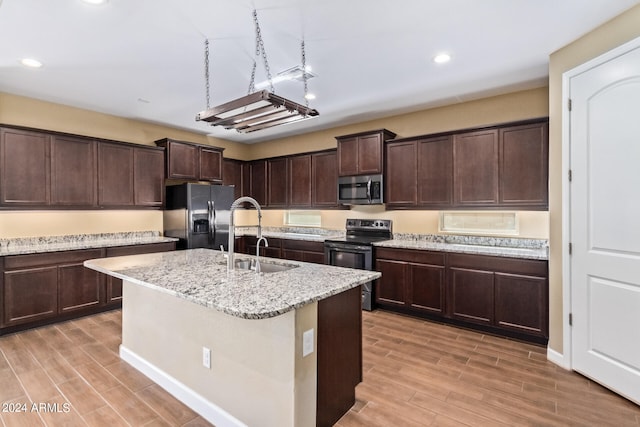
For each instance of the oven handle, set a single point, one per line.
(348, 248)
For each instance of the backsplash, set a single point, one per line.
(507, 242)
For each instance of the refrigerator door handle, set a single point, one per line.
(211, 207)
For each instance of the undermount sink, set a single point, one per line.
(262, 266)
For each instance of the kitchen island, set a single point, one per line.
(285, 347)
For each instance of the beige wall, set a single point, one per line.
(621, 29)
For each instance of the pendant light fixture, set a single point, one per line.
(258, 109)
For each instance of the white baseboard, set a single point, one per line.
(558, 358)
(193, 400)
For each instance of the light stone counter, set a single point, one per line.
(200, 276)
(479, 245)
(34, 245)
(292, 233)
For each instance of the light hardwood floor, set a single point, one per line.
(416, 373)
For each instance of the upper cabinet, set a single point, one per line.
(362, 153)
(299, 181)
(24, 168)
(324, 179)
(41, 169)
(192, 162)
(498, 167)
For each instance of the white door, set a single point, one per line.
(605, 222)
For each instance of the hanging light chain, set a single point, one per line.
(206, 72)
(260, 49)
(304, 74)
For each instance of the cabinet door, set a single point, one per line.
(258, 174)
(426, 290)
(233, 176)
(24, 168)
(324, 171)
(115, 175)
(210, 164)
(472, 295)
(521, 303)
(148, 169)
(401, 174)
(277, 183)
(73, 171)
(435, 172)
(390, 288)
(78, 287)
(475, 157)
(524, 165)
(370, 154)
(182, 161)
(299, 181)
(29, 295)
(113, 291)
(348, 156)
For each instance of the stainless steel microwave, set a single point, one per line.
(360, 190)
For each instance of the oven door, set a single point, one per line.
(352, 256)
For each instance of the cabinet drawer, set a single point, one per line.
(506, 265)
(50, 258)
(140, 249)
(411, 255)
(303, 245)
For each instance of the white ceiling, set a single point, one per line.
(144, 59)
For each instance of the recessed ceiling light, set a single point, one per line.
(441, 58)
(95, 2)
(31, 63)
(310, 96)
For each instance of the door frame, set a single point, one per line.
(565, 359)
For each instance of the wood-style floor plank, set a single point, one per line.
(460, 377)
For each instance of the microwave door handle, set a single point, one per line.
(369, 190)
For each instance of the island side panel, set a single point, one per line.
(339, 354)
(253, 362)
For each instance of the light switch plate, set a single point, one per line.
(307, 343)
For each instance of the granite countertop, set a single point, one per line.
(200, 276)
(34, 245)
(536, 249)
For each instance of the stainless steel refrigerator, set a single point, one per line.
(198, 215)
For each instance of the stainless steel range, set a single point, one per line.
(355, 250)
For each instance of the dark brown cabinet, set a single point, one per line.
(73, 166)
(524, 165)
(192, 162)
(258, 180)
(277, 179)
(507, 296)
(234, 175)
(24, 168)
(299, 181)
(148, 177)
(324, 179)
(413, 280)
(475, 157)
(435, 172)
(362, 153)
(42, 288)
(273, 250)
(499, 167)
(115, 175)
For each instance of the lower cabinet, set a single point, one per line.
(36, 289)
(507, 296)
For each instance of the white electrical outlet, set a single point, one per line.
(206, 357)
(307, 342)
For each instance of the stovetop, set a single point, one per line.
(365, 231)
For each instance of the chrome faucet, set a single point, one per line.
(266, 245)
(232, 237)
